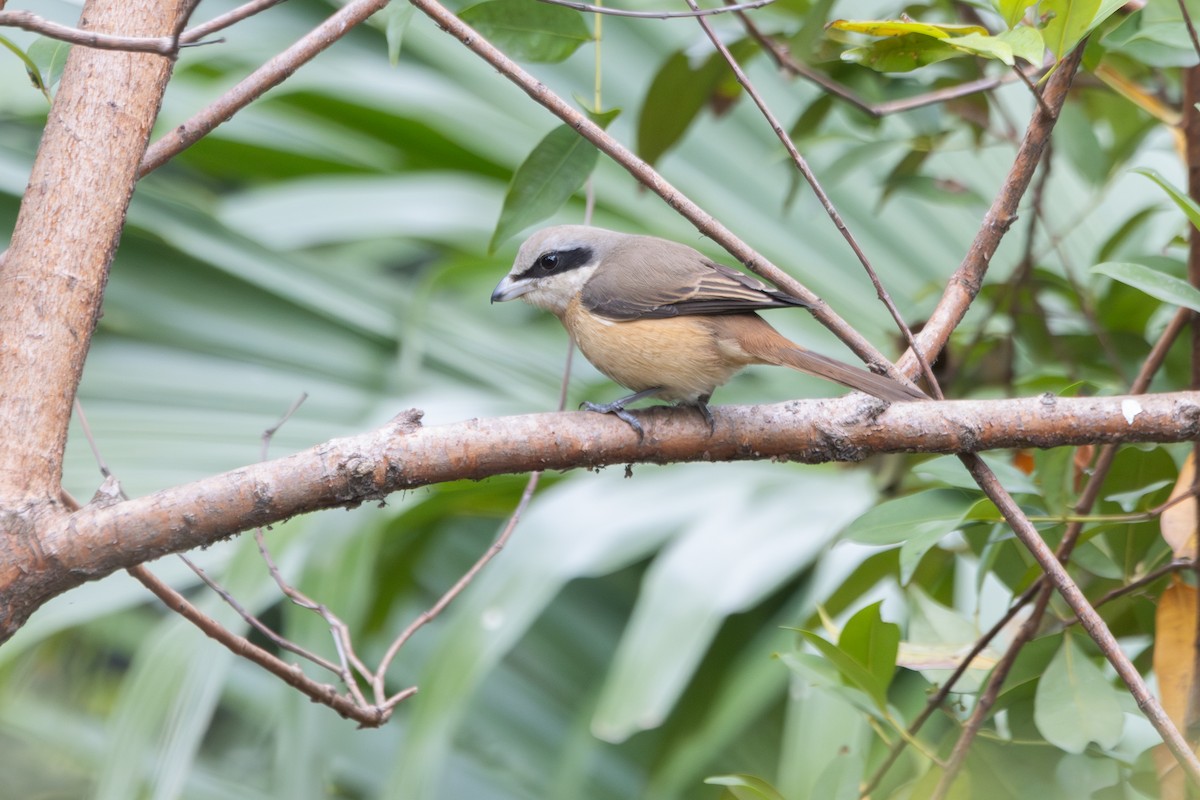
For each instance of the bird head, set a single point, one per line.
(553, 265)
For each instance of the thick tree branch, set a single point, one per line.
(402, 455)
(65, 236)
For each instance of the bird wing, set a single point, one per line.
(653, 278)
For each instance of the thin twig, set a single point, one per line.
(352, 707)
(1150, 577)
(255, 622)
(944, 691)
(454, 591)
(695, 12)
(983, 705)
(788, 63)
(1191, 29)
(1025, 79)
(28, 21)
(1087, 499)
(370, 716)
(226, 20)
(967, 280)
(826, 202)
(256, 84)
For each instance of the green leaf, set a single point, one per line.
(916, 522)
(37, 77)
(1026, 42)
(937, 511)
(529, 31)
(873, 643)
(894, 27)
(395, 18)
(986, 46)
(1186, 204)
(1012, 10)
(1054, 470)
(679, 92)
(51, 56)
(746, 787)
(1074, 704)
(554, 171)
(1066, 22)
(902, 53)
(850, 669)
(1157, 284)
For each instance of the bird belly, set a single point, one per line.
(680, 356)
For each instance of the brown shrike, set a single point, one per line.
(662, 319)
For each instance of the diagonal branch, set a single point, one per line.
(967, 280)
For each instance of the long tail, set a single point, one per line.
(854, 377)
(754, 337)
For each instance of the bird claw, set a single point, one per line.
(617, 409)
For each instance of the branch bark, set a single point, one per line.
(66, 234)
(67, 549)
(53, 278)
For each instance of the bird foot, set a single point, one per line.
(617, 409)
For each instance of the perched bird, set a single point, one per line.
(661, 319)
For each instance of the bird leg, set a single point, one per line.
(702, 407)
(617, 408)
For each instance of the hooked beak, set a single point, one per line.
(508, 289)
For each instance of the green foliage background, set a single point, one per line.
(332, 239)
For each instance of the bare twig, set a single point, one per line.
(1191, 29)
(983, 705)
(255, 622)
(825, 201)
(354, 707)
(225, 20)
(695, 12)
(267, 76)
(28, 21)
(967, 280)
(370, 716)
(944, 691)
(454, 591)
(788, 63)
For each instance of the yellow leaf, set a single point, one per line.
(1174, 657)
(1178, 521)
(899, 27)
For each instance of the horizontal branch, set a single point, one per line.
(97, 540)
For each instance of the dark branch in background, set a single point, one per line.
(1191, 29)
(967, 280)
(788, 63)
(695, 12)
(1087, 499)
(1191, 134)
(826, 202)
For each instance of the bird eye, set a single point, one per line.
(547, 261)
